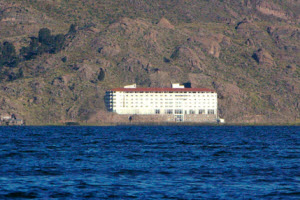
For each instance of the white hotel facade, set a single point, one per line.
(178, 103)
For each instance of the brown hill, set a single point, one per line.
(247, 50)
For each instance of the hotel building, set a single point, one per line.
(175, 104)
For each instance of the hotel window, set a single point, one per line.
(192, 112)
(178, 111)
(210, 111)
(201, 111)
(169, 112)
(157, 111)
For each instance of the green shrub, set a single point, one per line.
(101, 75)
(45, 36)
(8, 55)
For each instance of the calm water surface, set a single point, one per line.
(149, 162)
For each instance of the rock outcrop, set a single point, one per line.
(263, 57)
(188, 57)
(269, 8)
(129, 27)
(164, 23)
(87, 73)
(109, 50)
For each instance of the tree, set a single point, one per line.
(43, 48)
(45, 36)
(44, 43)
(64, 59)
(1, 61)
(31, 51)
(8, 55)
(34, 44)
(101, 75)
(20, 73)
(166, 60)
(59, 41)
(72, 29)
(8, 49)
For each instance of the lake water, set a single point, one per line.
(150, 162)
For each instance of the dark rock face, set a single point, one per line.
(262, 57)
(249, 42)
(245, 27)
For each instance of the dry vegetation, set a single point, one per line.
(247, 50)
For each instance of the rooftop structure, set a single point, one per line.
(176, 104)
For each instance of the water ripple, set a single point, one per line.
(223, 162)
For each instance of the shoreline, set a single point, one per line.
(159, 124)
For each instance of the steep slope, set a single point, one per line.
(247, 50)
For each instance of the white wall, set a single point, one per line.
(147, 103)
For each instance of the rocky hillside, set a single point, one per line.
(247, 50)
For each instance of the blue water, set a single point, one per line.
(149, 162)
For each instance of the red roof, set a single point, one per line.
(162, 90)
